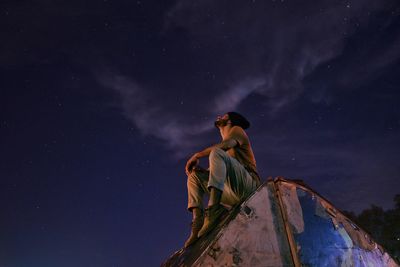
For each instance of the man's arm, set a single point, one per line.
(194, 160)
(224, 145)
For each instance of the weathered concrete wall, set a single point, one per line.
(253, 238)
(284, 223)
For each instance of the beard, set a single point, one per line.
(221, 123)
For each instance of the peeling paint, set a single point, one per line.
(254, 234)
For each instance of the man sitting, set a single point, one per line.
(232, 175)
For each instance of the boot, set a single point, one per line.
(213, 214)
(197, 223)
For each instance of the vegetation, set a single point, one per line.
(383, 226)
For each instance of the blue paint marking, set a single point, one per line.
(320, 243)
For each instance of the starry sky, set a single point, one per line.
(102, 103)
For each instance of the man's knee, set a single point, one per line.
(196, 175)
(192, 176)
(217, 152)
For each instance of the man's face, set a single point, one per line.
(221, 121)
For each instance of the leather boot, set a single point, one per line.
(213, 214)
(197, 223)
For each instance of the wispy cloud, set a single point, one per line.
(234, 95)
(150, 117)
(277, 44)
(269, 52)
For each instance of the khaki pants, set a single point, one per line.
(226, 174)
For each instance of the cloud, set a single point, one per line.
(271, 57)
(230, 99)
(247, 48)
(276, 41)
(150, 117)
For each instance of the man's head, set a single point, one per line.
(233, 118)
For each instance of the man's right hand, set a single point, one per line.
(191, 163)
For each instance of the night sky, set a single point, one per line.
(102, 103)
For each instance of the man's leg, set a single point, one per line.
(230, 177)
(196, 187)
(229, 181)
(215, 196)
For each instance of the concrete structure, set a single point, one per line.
(284, 223)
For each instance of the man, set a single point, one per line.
(231, 177)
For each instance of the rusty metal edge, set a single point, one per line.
(289, 235)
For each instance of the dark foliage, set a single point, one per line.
(384, 226)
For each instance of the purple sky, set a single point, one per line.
(102, 103)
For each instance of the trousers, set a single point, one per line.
(226, 174)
